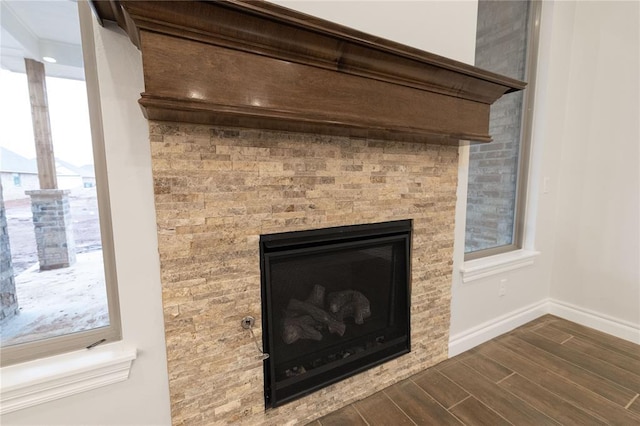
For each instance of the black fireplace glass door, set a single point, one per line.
(334, 307)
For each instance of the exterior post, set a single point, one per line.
(49, 205)
(41, 124)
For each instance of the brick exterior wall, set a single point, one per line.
(8, 296)
(500, 47)
(217, 190)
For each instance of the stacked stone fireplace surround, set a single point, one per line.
(218, 189)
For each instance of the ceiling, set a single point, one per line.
(35, 29)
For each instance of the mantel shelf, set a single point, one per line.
(258, 65)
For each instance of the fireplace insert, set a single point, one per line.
(335, 302)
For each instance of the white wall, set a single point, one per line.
(143, 399)
(597, 258)
(478, 311)
(443, 27)
(586, 147)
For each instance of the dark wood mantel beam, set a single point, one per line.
(256, 64)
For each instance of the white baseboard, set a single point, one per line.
(484, 332)
(616, 327)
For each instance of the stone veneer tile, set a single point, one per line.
(217, 190)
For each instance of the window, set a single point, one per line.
(16, 179)
(61, 292)
(506, 44)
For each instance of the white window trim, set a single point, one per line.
(31, 350)
(47, 379)
(524, 157)
(484, 267)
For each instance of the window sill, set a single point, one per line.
(492, 265)
(35, 382)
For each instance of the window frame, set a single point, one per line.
(113, 332)
(524, 154)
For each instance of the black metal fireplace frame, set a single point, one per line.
(320, 239)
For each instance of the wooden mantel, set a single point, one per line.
(258, 65)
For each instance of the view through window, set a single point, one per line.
(53, 288)
(497, 171)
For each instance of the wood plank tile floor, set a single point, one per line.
(547, 372)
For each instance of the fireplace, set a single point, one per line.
(251, 186)
(335, 302)
(264, 121)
